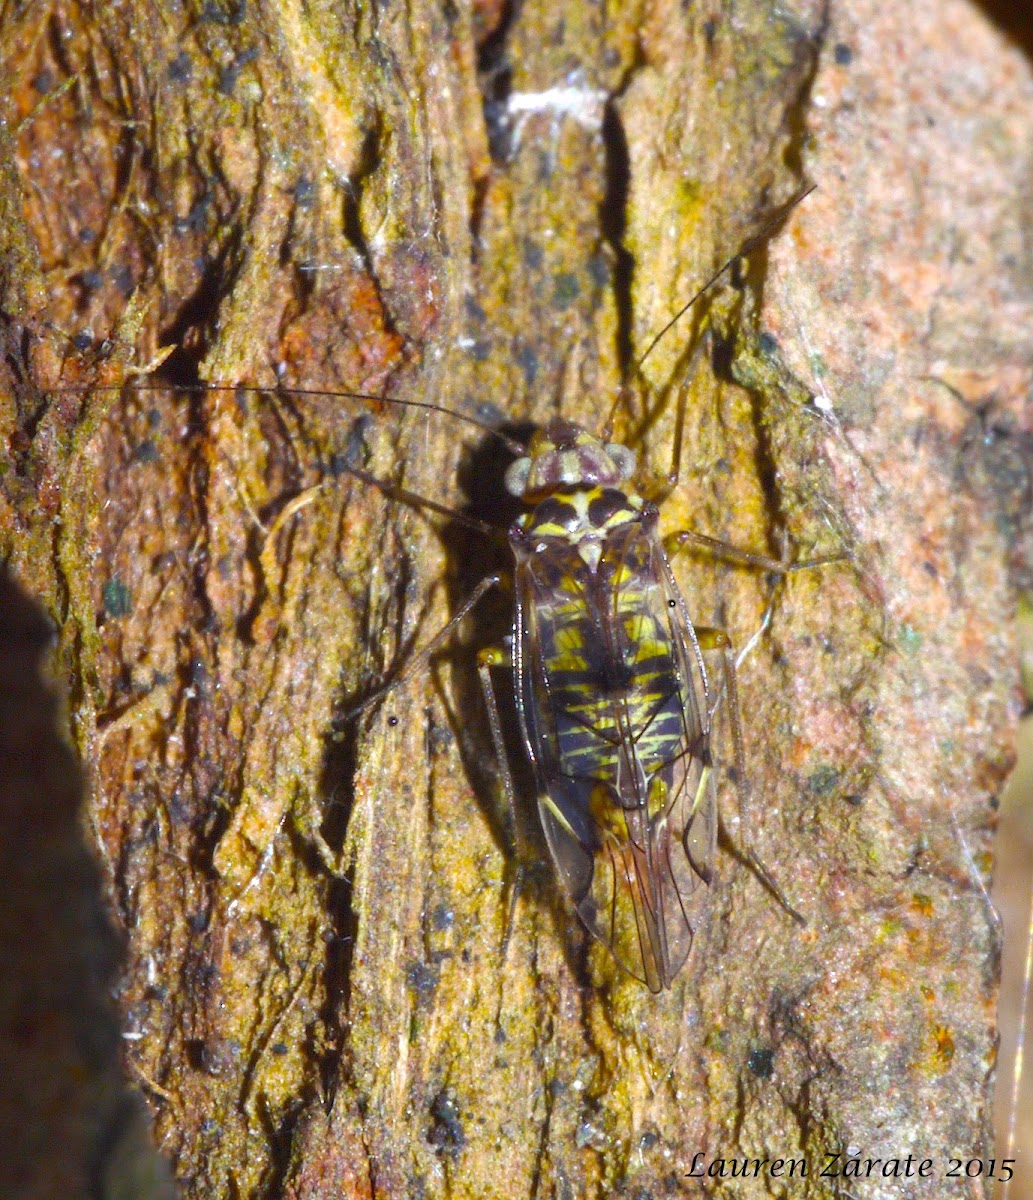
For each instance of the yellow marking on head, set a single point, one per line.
(570, 465)
(551, 529)
(540, 443)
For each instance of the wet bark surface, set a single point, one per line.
(495, 210)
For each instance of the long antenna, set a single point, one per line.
(513, 446)
(747, 246)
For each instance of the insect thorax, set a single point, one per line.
(581, 518)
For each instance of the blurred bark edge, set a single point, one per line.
(72, 1126)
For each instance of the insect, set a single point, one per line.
(614, 700)
(615, 704)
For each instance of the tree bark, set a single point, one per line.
(495, 210)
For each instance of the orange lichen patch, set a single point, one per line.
(487, 16)
(343, 338)
(86, 196)
(896, 977)
(331, 1160)
(416, 291)
(800, 752)
(941, 1048)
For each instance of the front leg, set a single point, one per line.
(689, 539)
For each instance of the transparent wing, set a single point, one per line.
(607, 677)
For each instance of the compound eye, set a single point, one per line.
(623, 458)
(517, 474)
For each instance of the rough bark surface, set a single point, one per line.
(495, 209)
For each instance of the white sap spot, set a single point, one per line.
(584, 105)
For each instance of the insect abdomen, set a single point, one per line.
(611, 684)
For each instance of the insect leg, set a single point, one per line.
(420, 658)
(670, 481)
(685, 539)
(717, 639)
(497, 656)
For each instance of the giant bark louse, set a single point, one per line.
(625, 767)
